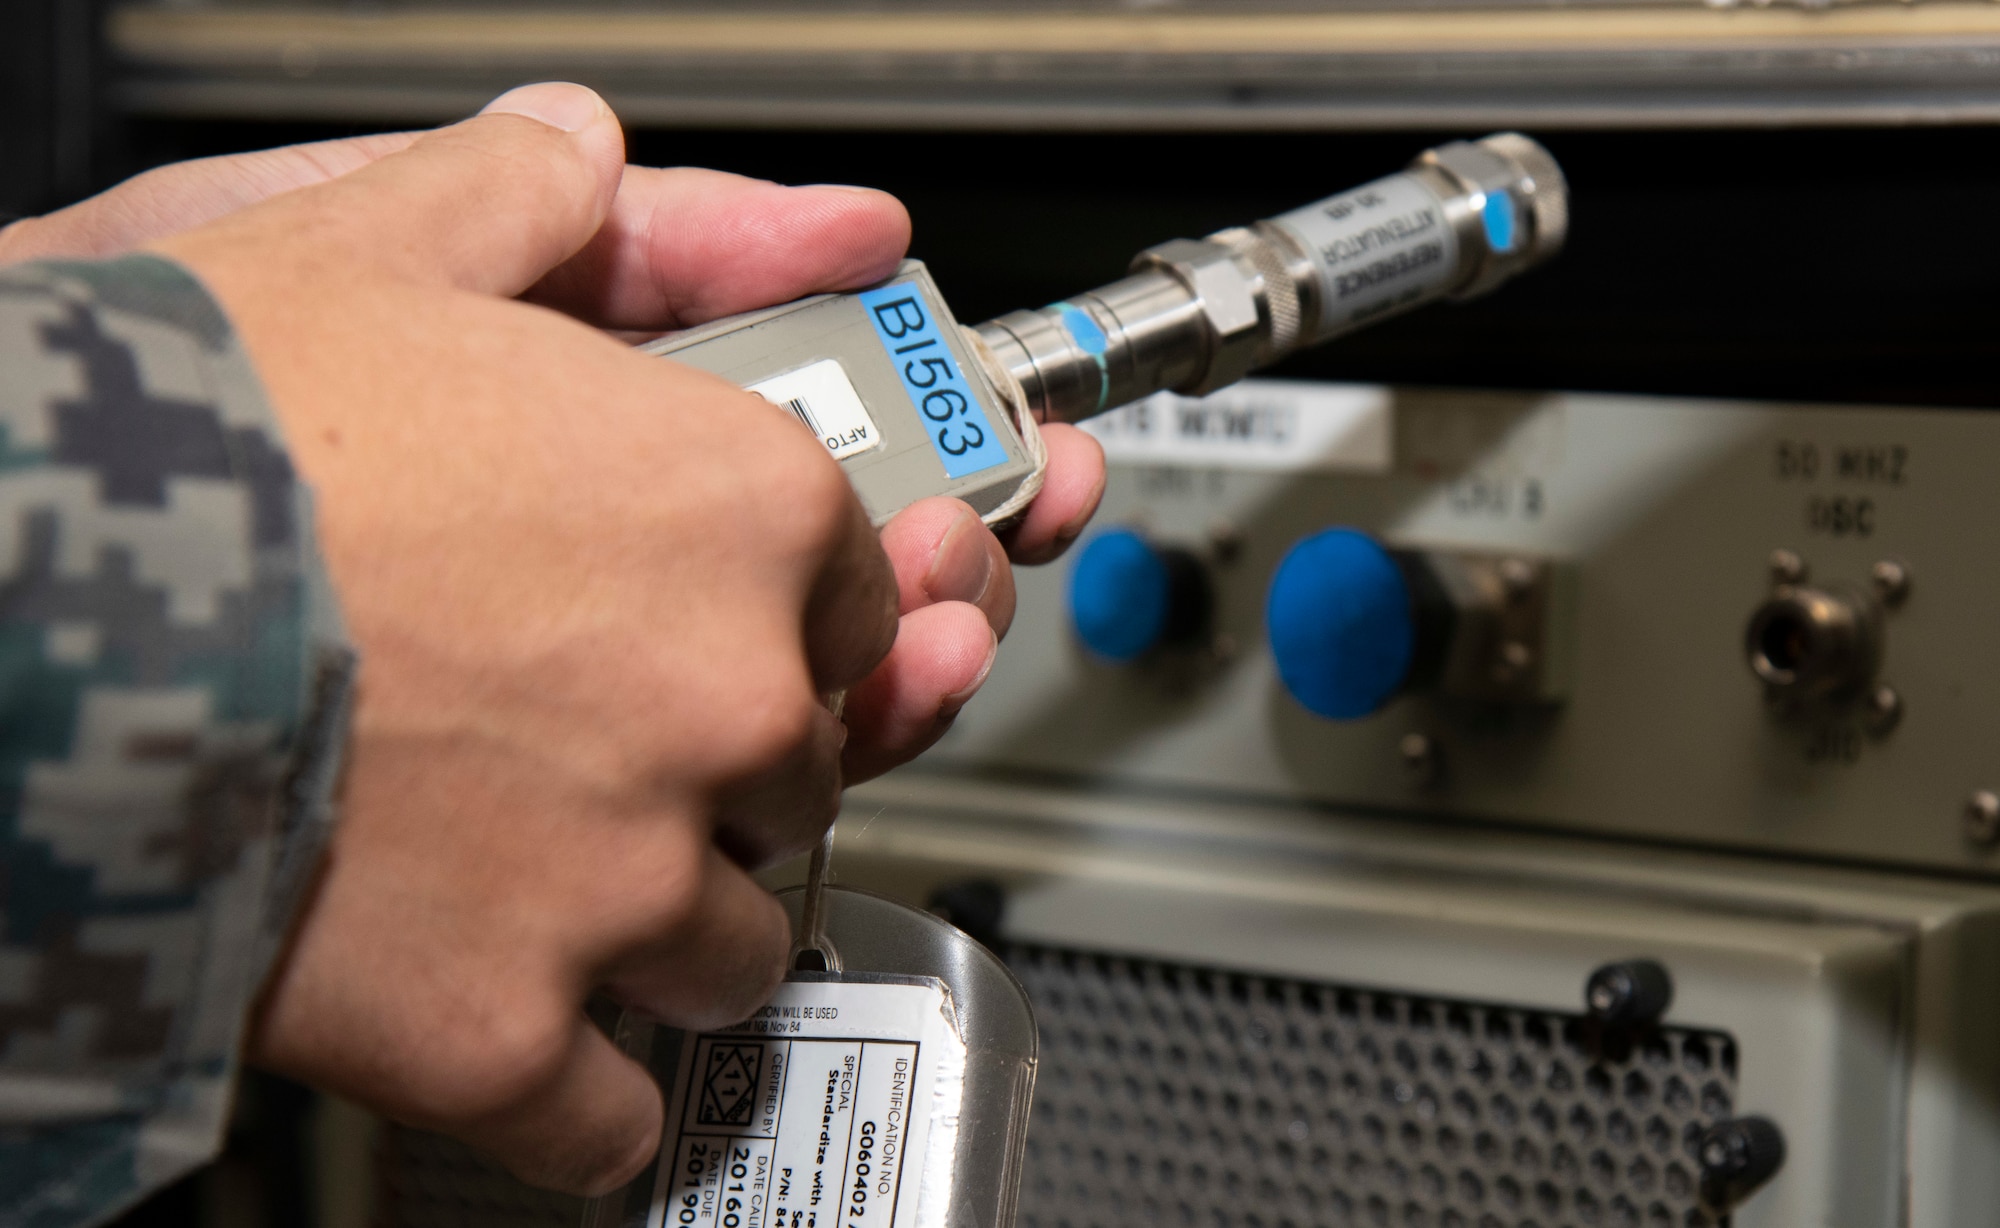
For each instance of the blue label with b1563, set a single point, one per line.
(965, 441)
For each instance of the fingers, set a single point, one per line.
(783, 811)
(593, 1122)
(684, 246)
(941, 552)
(713, 962)
(942, 655)
(1069, 497)
(179, 197)
(488, 205)
(676, 247)
(956, 594)
(587, 1129)
(850, 616)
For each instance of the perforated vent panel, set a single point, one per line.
(1171, 1095)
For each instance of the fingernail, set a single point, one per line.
(1063, 538)
(948, 706)
(843, 187)
(559, 104)
(962, 568)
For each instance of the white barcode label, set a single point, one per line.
(822, 398)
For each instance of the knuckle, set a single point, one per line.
(716, 975)
(650, 892)
(768, 939)
(768, 730)
(818, 500)
(500, 1063)
(675, 899)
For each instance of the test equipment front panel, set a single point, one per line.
(1334, 971)
(1673, 524)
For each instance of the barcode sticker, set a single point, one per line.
(822, 398)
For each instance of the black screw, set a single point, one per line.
(974, 905)
(1631, 991)
(1737, 1157)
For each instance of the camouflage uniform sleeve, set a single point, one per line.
(173, 691)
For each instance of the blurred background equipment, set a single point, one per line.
(1542, 778)
(1093, 65)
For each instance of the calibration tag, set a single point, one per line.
(820, 1111)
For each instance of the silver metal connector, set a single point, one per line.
(1198, 314)
(1815, 644)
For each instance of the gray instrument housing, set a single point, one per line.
(758, 345)
(1863, 1005)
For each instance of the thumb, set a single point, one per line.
(183, 195)
(489, 204)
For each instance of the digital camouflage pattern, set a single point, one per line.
(172, 694)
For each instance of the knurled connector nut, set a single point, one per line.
(1479, 169)
(1226, 287)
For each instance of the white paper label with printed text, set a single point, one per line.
(821, 1111)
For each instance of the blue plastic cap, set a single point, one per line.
(1340, 624)
(1118, 595)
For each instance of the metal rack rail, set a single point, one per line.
(1091, 67)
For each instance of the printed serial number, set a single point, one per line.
(957, 426)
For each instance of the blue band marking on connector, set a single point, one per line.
(1083, 329)
(1498, 214)
(1091, 340)
(953, 418)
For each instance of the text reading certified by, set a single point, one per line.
(825, 1110)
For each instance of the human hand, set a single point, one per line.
(680, 247)
(596, 594)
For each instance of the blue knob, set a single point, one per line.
(1341, 624)
(1120, 595)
